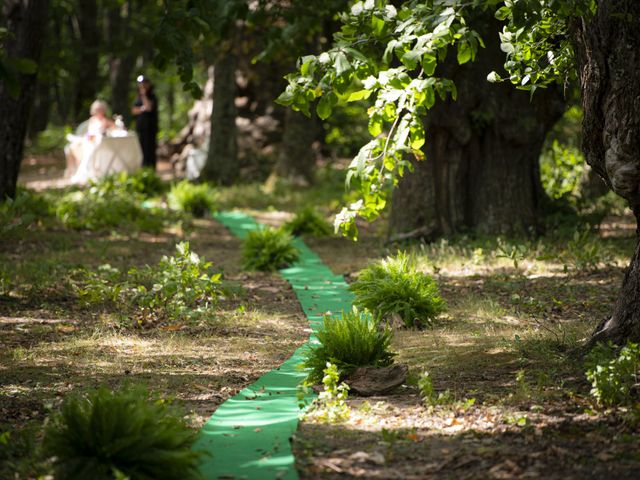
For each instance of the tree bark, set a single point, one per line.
(608, 55)
(222, 161)
(481, 171)
(297, 158)
(87, 43)
(25, 20)
(123, 58)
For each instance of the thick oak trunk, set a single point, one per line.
(608, 56)
(222, 162)
(481, 170)
(26, 20)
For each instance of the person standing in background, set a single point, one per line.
(145, 110)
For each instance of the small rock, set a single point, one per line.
(369, 381)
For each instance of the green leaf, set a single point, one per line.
(324, 108)
(359, 95)
(377, 24)
(493, 77)
(465, 53)
(503, 12)
(341, 64)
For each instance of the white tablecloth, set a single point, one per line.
(101, 156)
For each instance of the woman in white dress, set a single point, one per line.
(82, 144)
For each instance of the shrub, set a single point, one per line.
(144, 182)
(197, 200)
(350, 341)
(180, 286)
(268, 249)
(108, 435)
(394, 287)
(308, 221)
(428, 393)
(101, 209)
(613, 376)
(585, 251)
(22, 212)
(331, 404)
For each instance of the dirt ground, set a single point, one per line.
(506, 350)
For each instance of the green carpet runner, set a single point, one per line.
(248, 437)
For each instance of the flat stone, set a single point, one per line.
(369, 381)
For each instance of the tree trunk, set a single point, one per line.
(88, 42)
(123, 59)
(222, 161)
(41, 110)
(608, 55)
(297, 157)
(25, 20)
(481, 170)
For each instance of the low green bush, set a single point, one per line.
(614, 375)
(268, 249)
(180, 286)
(585, 251)
(196, 199)
(103, 210)
(144, 182)
(393, 286)
(308, 221)
(23, 212)
(350, 341)
(108, 435)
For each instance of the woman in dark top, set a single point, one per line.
(145, 110)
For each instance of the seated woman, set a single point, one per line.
(87, 136)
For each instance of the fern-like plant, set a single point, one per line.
(268, 249)
(393, 286)
(108, 435)
(350, 341)
(191, 198)
(308, 221)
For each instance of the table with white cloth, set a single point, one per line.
(104, 155)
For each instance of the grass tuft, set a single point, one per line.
(350, 341)
(123, 434)
(268, 249)
(394, 287)
(308, 222)
(198, 200)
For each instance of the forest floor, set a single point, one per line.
(517, 310)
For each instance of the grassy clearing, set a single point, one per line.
(51, 344)
(518, 402)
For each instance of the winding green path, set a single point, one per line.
(248, 437)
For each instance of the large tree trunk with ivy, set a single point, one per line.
(608, 55)
(222, 161)
(481, 171)
(25, 20)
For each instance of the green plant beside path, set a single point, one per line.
(248, 435)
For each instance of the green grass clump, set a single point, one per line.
(96, 209)
(23, 212)
(108, 435)
(614, 375)
(394, 287)
(350, 341)
(268, 249)
(197, 200)
(178, 287)
(144, 182)
(308, 222)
